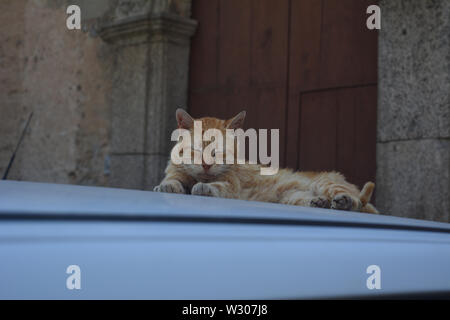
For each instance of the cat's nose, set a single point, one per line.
(206, 166)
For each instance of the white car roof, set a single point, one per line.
(145, 245)
(39, 200)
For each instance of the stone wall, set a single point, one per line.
(413, 149)
(90, 96)
(61, 76)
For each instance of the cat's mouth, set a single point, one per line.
(206, 176)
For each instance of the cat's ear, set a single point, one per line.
(184, 120)
(237, 122)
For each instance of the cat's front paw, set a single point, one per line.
(172, 186)
(345, 202)
(320, 202)
(204, 189)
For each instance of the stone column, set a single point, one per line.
(413, 148)
(150, 41)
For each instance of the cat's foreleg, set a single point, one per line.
(170, 186)
(174, 183)
(220, 189)
(305, 199)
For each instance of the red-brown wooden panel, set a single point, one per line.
(346, 131)
(349, 49)
(269, 42)
(304, 65)
(239, 100)
(317, 140)
(203, 62)
(305, 44)
(234, 44)
(365, 135)
(356, 134)
(270, 113)
(207, 103)
(338, 132)
(225, 103)
(292, 130)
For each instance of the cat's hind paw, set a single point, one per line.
(345, 202)
(172, 186)
(204, 189)
(320, 202)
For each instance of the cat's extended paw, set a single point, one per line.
(204, 189)
(172, 186)
(345, 202)
(320, 202)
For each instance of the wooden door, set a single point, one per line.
(306, 67)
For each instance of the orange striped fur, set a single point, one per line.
(311, 189)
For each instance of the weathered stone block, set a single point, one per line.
(154, 166)
(128, 99)
(167, 92)
(60, 75)
(127, 171)
(413, 179)
(414, 70)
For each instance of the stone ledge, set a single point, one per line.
(150, 28)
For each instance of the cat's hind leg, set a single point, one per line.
(345, 202)
(343, 195)
(305, 199)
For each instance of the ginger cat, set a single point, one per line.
(244, 181)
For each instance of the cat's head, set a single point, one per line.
(205, 172)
